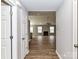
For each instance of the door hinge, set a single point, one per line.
(11, 37)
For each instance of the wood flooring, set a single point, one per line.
(42, 47)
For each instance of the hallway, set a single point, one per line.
(52, 24)
(42, 47)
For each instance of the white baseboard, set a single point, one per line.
(58, 55)
(26, 53)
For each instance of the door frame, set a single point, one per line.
(78, 26)
(75, 27)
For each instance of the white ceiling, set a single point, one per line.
(41, 5)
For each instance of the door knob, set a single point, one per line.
(76, 45)
(23, 38)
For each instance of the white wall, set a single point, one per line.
(64, 30)
(42, 18)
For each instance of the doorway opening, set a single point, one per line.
(43, 33)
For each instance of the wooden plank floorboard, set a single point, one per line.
(42, 47)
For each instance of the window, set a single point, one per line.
(31, 29)
(52, 29)
(39, 29)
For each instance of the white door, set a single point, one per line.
(22, 33)
(5, 32)
(75, 29)
(25, 33)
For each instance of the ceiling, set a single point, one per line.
(41, 5)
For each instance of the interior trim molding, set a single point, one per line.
(26, 53)
(58, 55)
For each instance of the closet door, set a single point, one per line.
(5, 31)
